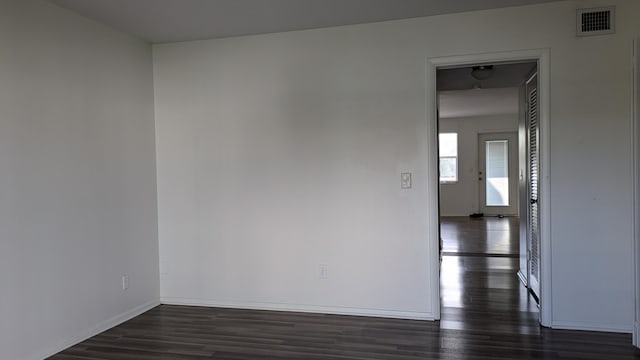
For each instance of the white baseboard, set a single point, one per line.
(335, 310)
(587, 326)
(100, 327)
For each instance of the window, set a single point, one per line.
(497, 172)
(448, 157)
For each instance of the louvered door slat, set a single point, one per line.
(532, 98)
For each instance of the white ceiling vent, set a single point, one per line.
(596, 21)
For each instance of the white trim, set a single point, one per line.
(542, 56)
(635, 158)
(97, 329)
(589, 326)
(433, 189)
(336, 310)
(546, 306)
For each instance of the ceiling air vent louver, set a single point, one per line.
(597, 21)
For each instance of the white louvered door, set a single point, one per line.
(533, 165)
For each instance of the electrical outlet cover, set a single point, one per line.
(405, 180)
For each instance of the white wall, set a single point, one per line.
(77, 190)
(462, 198)
(280, 152)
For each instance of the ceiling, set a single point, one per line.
(161, 21)
(503, 75)
(460, 95)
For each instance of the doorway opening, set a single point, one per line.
(488, 191)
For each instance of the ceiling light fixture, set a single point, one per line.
(482, 72)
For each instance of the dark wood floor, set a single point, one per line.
(486, 314)
(480, 290)
(490, 236)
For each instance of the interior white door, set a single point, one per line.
(533, 166)
(523, 193)
(498, 173)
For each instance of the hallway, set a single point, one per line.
(479, 286)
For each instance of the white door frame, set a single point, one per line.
(635, 156)
(542, 57)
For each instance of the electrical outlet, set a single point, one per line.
(405, 180)
(323, 271)
(125, 282)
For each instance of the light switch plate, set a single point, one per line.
(405, 180)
